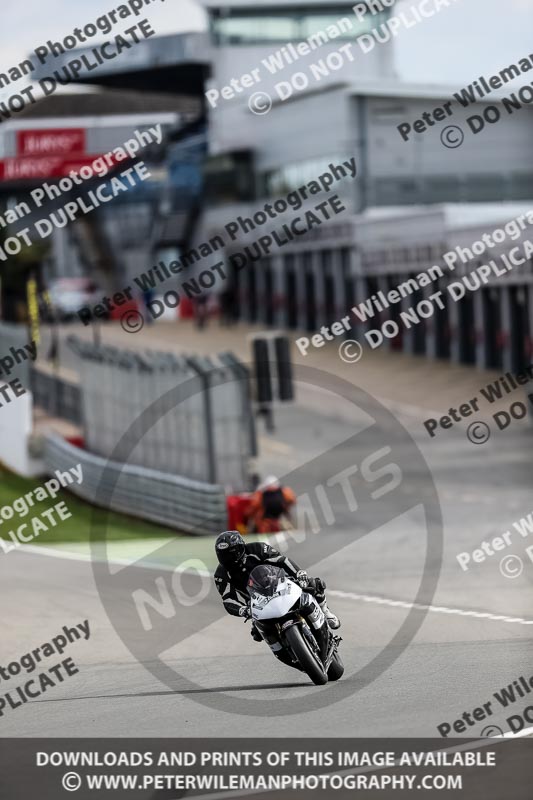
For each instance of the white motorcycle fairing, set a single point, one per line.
(278, 604)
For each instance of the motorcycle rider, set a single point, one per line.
(235, 562)
(269, 505)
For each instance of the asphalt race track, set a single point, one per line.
(475, 638)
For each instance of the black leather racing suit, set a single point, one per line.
(232, 585)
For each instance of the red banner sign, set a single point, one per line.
(54, 141)
(19, 169)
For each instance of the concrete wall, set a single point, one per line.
(15, 430)
(483, 154)
(234, 126)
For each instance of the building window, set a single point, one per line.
(230, 178)
(254, 29)
(345, 21)
(293, 176)
(260, 26)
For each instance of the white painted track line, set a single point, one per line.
(364, 598)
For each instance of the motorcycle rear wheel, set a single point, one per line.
(308, 661)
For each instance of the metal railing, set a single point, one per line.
(15, 337)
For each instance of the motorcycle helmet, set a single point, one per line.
(230, 549)
(269, 484)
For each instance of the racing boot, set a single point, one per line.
(333, 621)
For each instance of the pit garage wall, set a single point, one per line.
(491, 327)
(316, 283)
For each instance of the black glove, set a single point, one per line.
(244, 611)
(316, 586)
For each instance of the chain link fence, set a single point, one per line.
(51, 392)
(208, 435)
(13, 340)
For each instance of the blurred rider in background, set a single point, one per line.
(270, 506)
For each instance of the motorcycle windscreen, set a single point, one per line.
(264, 580)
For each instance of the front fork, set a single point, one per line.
(318, 637)
(316, 621)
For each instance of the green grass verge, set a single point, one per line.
(105, 526)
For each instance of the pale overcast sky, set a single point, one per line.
(468, 39)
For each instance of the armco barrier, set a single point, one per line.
(181, 503)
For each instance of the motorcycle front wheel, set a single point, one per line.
(306, 658)
(336, 668)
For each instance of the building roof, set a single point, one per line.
(389, 88)
(107, 102)
(254, 4)
(175, 63)
(423, 91)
